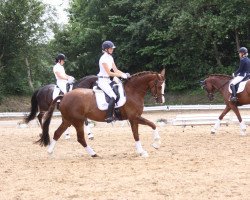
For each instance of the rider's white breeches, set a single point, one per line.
(62, 85)
(103, 83)
(236, 80)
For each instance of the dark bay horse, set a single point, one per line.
(220, 83)
(80, 104)
(42, 98)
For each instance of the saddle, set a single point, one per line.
(102, 99)
(239, 87)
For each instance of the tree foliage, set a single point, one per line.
(191, 39)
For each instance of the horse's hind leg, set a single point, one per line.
(156, 137)
(57, 134)
(81, 139)
(40, 117)
(139, 149)
(222, 115)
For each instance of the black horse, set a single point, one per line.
(42, 98)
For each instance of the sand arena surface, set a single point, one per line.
(191, 164)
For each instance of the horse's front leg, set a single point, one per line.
(139, 149)
(242, 123)
(217, 123)
(156, 137)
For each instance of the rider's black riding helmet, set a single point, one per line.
(107, 45)
(243, 50)
(60, 56)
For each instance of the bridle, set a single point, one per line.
(210, 94)
(155, 96)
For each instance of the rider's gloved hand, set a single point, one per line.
(71, 80)
(128, 75)
(233, 75)
(124, 76)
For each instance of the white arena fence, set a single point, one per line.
(179, 120)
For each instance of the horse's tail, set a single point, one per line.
(45, 139)
(33, 108)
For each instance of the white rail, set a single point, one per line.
(146, 109)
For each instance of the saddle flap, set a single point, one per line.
(239, 87)
(101, 99)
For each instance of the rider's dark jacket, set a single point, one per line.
(244, 67)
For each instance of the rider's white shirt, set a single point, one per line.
(59, 68)
(108, 59)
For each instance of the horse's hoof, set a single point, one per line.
(212, 132)
(94, 156)
(156, 144)
(243, 133)
(144, 154)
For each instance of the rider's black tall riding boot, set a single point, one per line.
(233, 97)
(110, 111)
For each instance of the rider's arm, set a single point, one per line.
(116, 72)
(62, 76)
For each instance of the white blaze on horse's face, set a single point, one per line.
(162, 92)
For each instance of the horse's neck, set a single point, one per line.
(139, 85)
(219, 84)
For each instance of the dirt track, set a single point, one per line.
(191, 164)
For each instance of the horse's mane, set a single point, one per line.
(221, 76)
(138, 74)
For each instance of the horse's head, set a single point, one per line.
(157, 87)
(214, 83)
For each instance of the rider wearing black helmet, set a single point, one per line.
(108, 69)
(61, 77)
(243, 70)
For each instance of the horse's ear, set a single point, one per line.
(163, 72)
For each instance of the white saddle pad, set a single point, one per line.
(57, 90)
(101, 100)
(240, 88)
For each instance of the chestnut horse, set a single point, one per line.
(42, 98)
(220, 83)
(80, 104)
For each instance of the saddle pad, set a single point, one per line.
(102, 104)
(240, 88)
(57, 91)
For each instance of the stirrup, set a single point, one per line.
(109, 119)
(233, 99)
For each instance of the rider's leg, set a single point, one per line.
(110, 110)
(104, 85)
(236, 80)
(233, 96)
(62, 85)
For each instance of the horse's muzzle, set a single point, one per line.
(160, 99)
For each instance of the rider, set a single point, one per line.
(108, 69)
(244, 70)
(61, 77)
